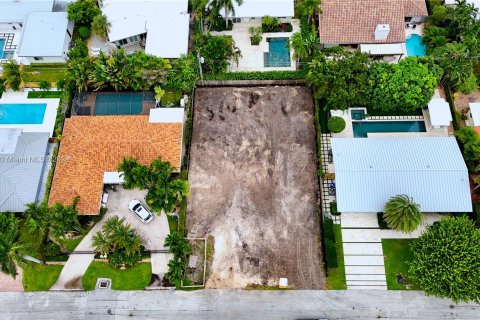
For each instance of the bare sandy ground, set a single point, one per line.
(254, 187)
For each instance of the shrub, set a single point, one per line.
(288, 27)
(446, 260)
(336, 124)
(83, 11)
(329, 242)
(119, 258)
(258, 75)
(402, 214)
(469, 85)
(52, 250)
(381, 222)
(270, 24)
(255, 35)
(333, 208)
(84, 32)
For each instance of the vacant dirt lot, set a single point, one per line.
(253, 186)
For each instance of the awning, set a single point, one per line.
(382, 49)
(440, 115)
(112, 178)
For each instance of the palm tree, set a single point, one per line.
(10, 247)
(227, 5)
(402, 214)
(100, 25)
(101, 243)
(175, 270)
(308, 8)
(178, 245)
(112, 224)
(198, 8)
(13, 75)
(3, 87)
(37, 217)
(127, 169)
(304, 45)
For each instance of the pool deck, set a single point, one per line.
(48, 124)
(252, 56)
(348, 131)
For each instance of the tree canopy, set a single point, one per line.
(83, 11)
(402, 214)
(446, 260)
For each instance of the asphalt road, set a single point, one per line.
(231, 304)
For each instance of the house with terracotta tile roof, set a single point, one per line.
(377, 27)
(93, 146)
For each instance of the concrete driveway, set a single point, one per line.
(153, 235)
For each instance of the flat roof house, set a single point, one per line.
(159, 27)
(22, 163)
(46, 37)
(94, 146)
(31, 32)
(253, 9)
(431, 170)
(375, 26)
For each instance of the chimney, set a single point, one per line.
(382, 31)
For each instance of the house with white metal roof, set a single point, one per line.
(159, 27)
(431, 170)
(22, 163)
(254, 9)
(31, 31)
(46, 37)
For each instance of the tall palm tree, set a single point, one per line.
(100, 25)
(37, 217)
(101, 243)
(308, 8)
(227, 5)
(13, 75)
(402, 214)
(130, 177)
(112, 224)
(198, 8)
(304, 45)
(11, 248)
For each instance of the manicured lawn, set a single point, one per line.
(46, 73)
(44, 94)
(397, 255)
(336, 279)
(32, 241)
(136, 278)
(40, 277)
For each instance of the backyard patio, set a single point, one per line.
(254, 57)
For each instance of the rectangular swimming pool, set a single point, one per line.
(118, 103)
(22, 113)
(278, 54)
(361, 129)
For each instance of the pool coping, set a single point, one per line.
(48, 124)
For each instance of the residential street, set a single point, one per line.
(232, 304)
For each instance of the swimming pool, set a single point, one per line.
(22, 113)
(278, 54)
(415, 46)
(360, 129)
(357, 114)
(2, 45)
(118, 103)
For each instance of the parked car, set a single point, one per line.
(140, 211)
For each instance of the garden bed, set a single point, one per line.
(195, 276)
(336, 279)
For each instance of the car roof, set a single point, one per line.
(143, 212)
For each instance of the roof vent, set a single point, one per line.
(382, 31)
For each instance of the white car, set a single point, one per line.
(140, 211)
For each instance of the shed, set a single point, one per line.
(440, 115)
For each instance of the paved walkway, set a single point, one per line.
(363, 252)
(7, 283)
(233, 304)
(153, 235)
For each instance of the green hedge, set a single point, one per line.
(258, 75)
(451, 102)
(48, 64)
(329, 242)
(333, 209)
(318, 132)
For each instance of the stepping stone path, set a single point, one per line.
(363, 254)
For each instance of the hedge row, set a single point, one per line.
(329, 241)
(259, 75)
(456, 119)
(48, 64)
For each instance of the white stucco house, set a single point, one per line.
(158, 27)
(34, 31)
(256, 9)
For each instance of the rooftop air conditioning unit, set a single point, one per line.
(382, 31)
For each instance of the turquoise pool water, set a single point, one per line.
(2, 45)
(415, 46)
(118, 103)
(22, 113)
(360, 129)
(279, 53)
(357, 114)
